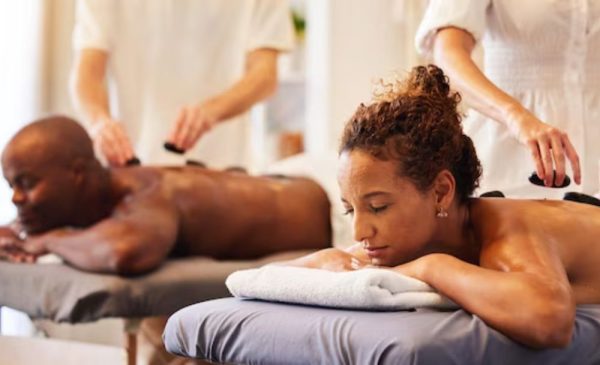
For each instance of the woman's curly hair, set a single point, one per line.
(416, 122)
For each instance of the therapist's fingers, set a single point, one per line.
(537, 158)
(187, 129)
(558, 155)
(176, 135)
(573, 159)
(200, 126)
(547, 162)
(123, 144)
(120, 143)
(113, 142)
(190, 129)
(191, 123)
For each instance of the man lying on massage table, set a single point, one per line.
(128, 220)
(406, 175)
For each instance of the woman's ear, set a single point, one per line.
(444, 188)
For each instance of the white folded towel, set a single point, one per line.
(377, 289)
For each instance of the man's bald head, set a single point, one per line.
(54, 140)
(51, 167)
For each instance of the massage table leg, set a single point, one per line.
(131, 329)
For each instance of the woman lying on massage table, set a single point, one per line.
(406, 175)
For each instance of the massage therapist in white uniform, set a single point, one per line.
(179, 71)
(537, 102)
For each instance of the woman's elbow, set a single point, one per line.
(452, 43)
(554, 324)
(269, 85)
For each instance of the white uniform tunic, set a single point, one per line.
(164, 54)
(546, 54)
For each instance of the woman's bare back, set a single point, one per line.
(510, 230)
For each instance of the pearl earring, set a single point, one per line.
(441, 213)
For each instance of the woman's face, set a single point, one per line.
(394, 221)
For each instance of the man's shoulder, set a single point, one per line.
(140, 183)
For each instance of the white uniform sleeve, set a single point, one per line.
(94, 21)
(271, 26)
(465, 14)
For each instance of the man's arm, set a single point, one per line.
(89, 94)
(135, 240)
(522, 290)
(258, 82)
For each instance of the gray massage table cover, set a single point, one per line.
(233, 330)
(63, 294)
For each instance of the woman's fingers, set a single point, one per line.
(122, 142)
(573, 159)
(113, 142)
(537, 158)
(550, 152)
(180, 127)
(558, 155)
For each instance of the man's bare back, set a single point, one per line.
(233, 215)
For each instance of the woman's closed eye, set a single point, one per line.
(372, 209)
(378, 208)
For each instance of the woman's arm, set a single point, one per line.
(89, 95)
(531, 302)
(257, 83)
(549, 146)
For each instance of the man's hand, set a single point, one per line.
(11, 247)
(192, 122)
(36, 245)
(110, 138)
(549, 146)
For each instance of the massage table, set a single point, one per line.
(60, 293)
(239, 331)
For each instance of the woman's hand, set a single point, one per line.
(110, 138)
(549, 146)
(331, 259)
(338, 260)
(192, 122)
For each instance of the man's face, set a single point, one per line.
(42, 192)
(394, 221)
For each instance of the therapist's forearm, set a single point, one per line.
(258, 82)
(88, 89)
(452, 52)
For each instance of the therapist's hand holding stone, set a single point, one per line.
(192, 122)
(112, 141)
(550, 147)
